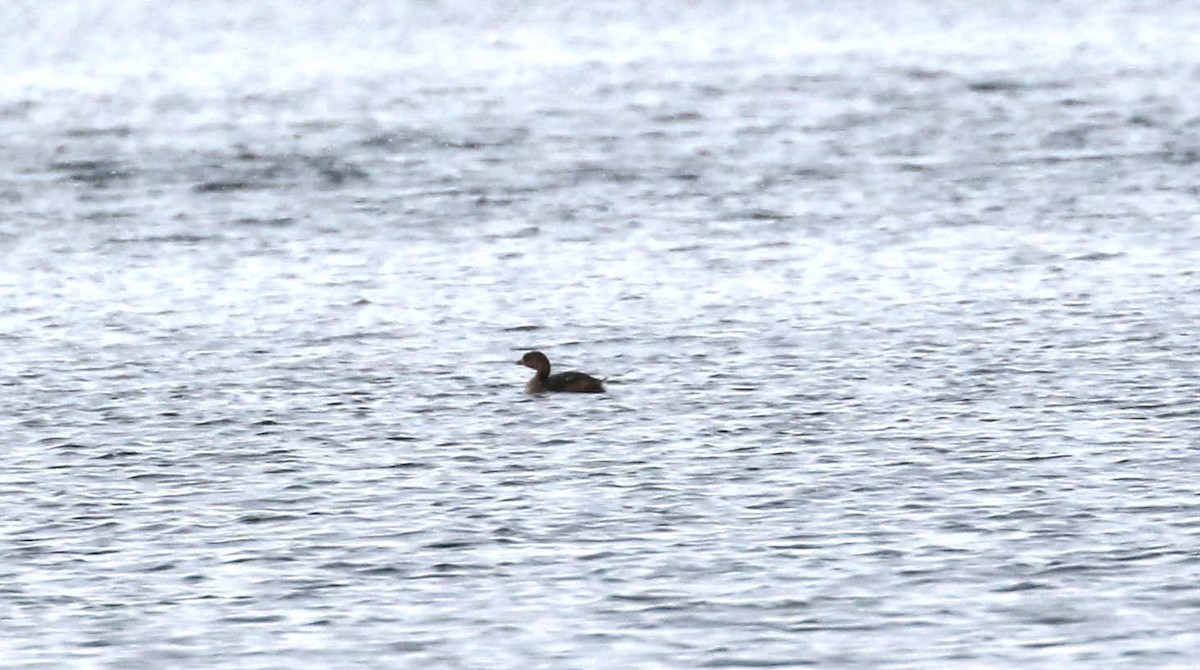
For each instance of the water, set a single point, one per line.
(898, 305)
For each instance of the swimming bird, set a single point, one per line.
(565, 382)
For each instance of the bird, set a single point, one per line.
(564, 382)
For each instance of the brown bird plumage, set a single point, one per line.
(563, 382)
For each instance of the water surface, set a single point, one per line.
(898, 306)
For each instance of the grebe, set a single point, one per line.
(564, 382)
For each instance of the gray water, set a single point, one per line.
(898, 304)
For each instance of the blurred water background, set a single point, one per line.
(898, 302)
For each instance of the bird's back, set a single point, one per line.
(574, 382)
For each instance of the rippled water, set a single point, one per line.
(898, 304)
